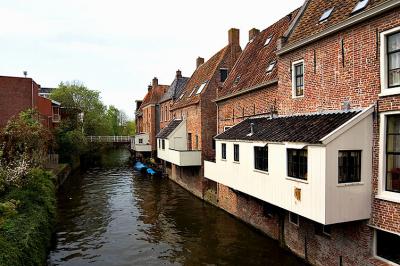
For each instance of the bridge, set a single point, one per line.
(110, 139)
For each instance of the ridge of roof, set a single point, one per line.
(153, 95)
(174, 89)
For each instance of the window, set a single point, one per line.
(236, 152)
(180, 97)
(189, 142)
(201, 88)
(267, 41)
(349, 166)
(223, 73)
(163, 144)
(297, 163)
(159, 143)
(387, 246)
(293, 218)
(298, 78)
(326, 15)
(271, 66)
(226, 128)
(197, 142)
(223, 151)
(393, 55)
(393, 153)
(323, 230)
(140, 140)
(261, 158)
(360, 6)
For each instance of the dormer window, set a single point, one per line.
(267, 41)
(326, 15)
(201, 88)
(271, 66)
(360, 6)
(223, 73)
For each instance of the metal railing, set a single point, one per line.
(110, 139)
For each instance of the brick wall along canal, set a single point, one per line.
(110, 215)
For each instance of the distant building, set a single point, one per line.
(19, 94)
(45, 92)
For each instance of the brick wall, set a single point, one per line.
(16, 96)
(165, 113)
(149, 124)
(234, 110)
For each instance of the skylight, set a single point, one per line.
(180, 97)
(326, 15)
(271, 66)
(201, 88)
(360, 6)
(237, 79)
(267, 41)
(192, 92)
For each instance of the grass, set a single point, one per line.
(25, 234)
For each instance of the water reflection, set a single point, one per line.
(110, 215)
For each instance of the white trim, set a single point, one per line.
(346, 126)
(294, 64)
(385, 90)
(382, 193)
(296, 146)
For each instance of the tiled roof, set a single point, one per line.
(174, 89)
(252, 64)
(300, 128)
(202, 74)
(154, 95)
(308, 23)
(165, 132)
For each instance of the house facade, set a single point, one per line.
(329, 192)
(19, 94)
(184, 148)
(148, 121)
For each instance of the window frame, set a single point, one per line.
(236, 153)
(298, 163)
(223, 151)
(256, 158)
(375, 245)
(348, 152)
(220, 74)
(294, 79)
(163, 144)
(384, 63)
(387, 56)
(382, 193)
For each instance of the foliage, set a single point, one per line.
(25, 139)
(129, 128)
(27, 217)
(71, 141)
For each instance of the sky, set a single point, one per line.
(118, 46)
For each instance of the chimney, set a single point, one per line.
(138, 103)
(253, 33)
(178, 74)
(199, 61)
(149, 88)
(233, 36)
(155, 82)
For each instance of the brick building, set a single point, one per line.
(148, 120)
(169, 97)
(190, 141)
(337, 59)
(19, 94)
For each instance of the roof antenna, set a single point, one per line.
(25, 73)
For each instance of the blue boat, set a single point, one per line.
(150, 171)
(139, 166)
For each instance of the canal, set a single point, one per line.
(111, 215)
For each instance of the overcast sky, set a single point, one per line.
(118, 46)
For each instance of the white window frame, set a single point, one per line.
(382, 192)
(294, 78)
(375, 246)
(385, 90)
(298, 219)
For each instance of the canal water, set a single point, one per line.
(111, 215)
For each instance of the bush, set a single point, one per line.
(27, 218)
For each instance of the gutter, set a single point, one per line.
(358, 18)
(256, 87)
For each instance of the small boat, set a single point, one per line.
(139, 166)
(151, 172)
